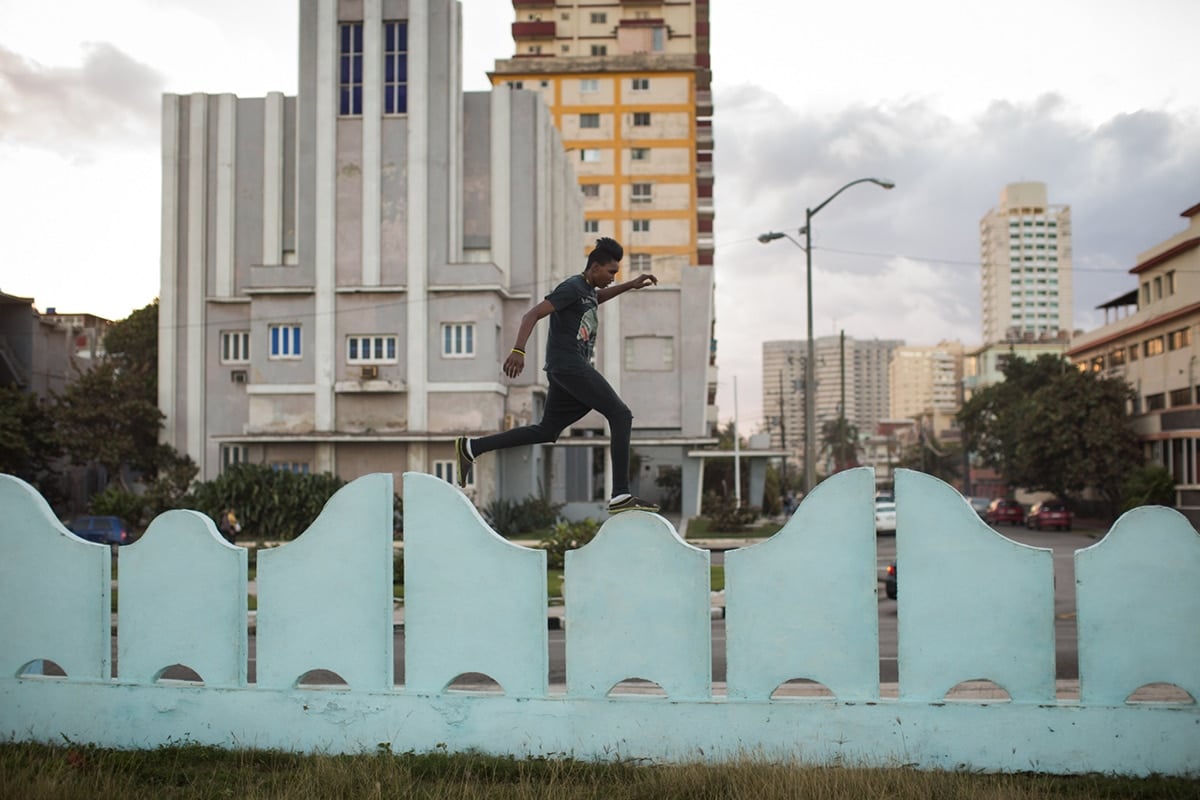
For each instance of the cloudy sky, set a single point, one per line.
(950, 99)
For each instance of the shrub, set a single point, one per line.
(116, 502)
(726, 516)
(1148, 485)
(272, 505)
(511, 518)
(566, 536)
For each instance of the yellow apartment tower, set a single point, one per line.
(628, 85)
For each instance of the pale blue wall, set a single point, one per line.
(800, 605)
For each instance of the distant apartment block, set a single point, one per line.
(343, 272)
(926, 382)
(628, 85)
(1025, 246)
(1152, 345)
(859, 370)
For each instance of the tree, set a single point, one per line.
(839, 440)
(928, 455)
(28, 443)
(109, 415)
(1052, 427)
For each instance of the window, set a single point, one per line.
(641, 119)
(458, 340)
(285, 341)
(641, 226)
(590, 155)
(395, 67)
(371, 349)
(1177, 340)
(1156, 402)
(298, 467)
(599, 18)
(233, 454)
(588, 85)
(591, 190)
(235, 347)
(1152, 347)
(1146, 293)
(642, 192)
(1170, 278)
(639, 84)
(591, 226)
(640, 262)
(640, 154)
(445, 471)
(1181, 397)
(589, 120)
(599, 50)
(1158, 288)
(1133, 352)
(350, 68)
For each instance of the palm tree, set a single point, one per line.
(839, 440)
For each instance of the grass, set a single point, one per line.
(64, 772)
(701, 528)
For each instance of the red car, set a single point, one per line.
(1049, 514)
(1005, 509)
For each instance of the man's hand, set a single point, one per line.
(643, 280)
(514, 364)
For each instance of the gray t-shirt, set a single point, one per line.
(573, 325)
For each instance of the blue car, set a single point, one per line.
(101, 530)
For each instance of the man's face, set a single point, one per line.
(601, 275)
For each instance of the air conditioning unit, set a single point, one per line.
(237, 376)
(370, 373)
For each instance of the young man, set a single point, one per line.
(576, 387)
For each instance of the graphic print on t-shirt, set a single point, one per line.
(587, 329)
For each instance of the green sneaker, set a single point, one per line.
(631, 503)
(463, 461)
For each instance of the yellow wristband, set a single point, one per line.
(519, 351)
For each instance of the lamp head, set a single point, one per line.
(770, 236)
(885, 183)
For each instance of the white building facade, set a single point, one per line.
(343, 271)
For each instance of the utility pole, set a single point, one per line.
(782, 433)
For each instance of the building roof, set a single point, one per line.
(1127, 299)
(1150, 323)
(1166, 255)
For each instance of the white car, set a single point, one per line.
(885, 517)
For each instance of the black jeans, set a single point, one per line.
(571, 396)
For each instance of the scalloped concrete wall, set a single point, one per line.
(800, 605)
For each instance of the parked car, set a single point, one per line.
(102, 530)
(889, 581)
(979, 505)
(885, 517)
(1049, 514)
(1004, 509)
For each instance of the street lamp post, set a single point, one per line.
(809, 380)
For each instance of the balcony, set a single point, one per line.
(704, 103)
(533, 30)
(704, 134)
(519, 4)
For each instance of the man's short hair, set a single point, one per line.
(606, 251)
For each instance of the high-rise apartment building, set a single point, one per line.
(628, 85)
(1025, 245)
(846, 367)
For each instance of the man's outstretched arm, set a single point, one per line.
(641, 281)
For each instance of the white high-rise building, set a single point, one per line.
(1025, 245)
